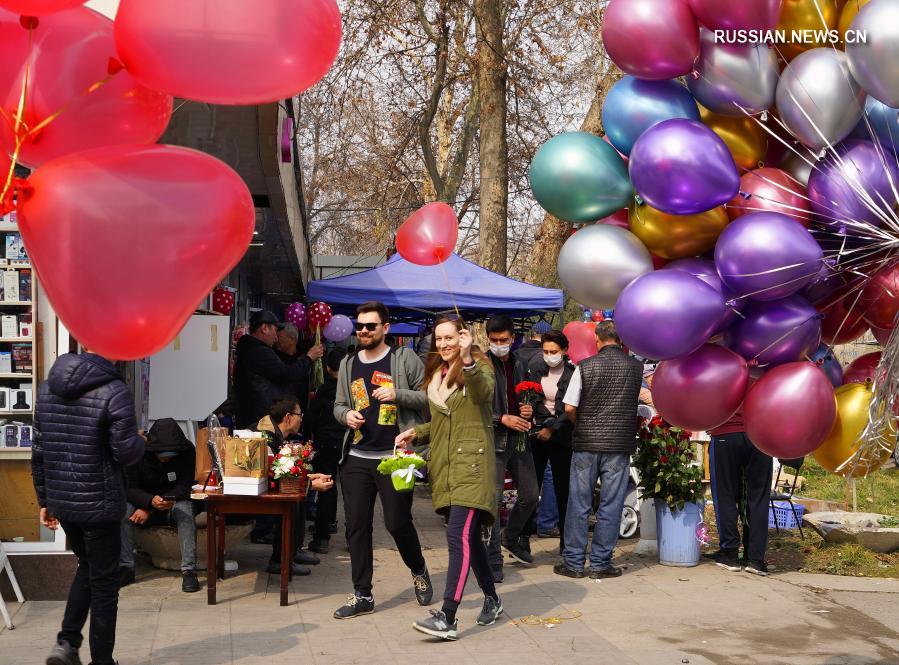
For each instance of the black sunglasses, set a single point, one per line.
(370, 327)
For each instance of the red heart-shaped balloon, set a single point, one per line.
(39, 7)
(429, 235)
(127, 241)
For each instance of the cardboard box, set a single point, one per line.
(22, 358)
(9, 326)
(25, 285)
(245, 486)
(246, 458)
(5, 362)
(11, 436)
(26, 435)
(20, 400)
(24, 328)
(11, 285)
(13, 243)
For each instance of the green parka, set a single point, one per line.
(462, 461)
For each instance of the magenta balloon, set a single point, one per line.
(777, 331)
(767, 256)
(882, 335)
(651, 39)
(737, 14)
(705, 270)
(702, 390)
(667, 314)
(682, 167)
(790, 410)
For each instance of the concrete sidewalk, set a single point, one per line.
(653, 615)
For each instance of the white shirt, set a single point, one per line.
(573, 394)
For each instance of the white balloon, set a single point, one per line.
(873, 63)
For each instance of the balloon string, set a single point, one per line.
(449, 290)
(19, 121)
(53, 116)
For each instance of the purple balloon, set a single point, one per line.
(705, 270)
(667, 314)
(742, 14)
(338, 328)
(767, 256)
(827, 362)
(296, 314)
(682, 167)
(777, 331)
(826, 283)
(833, 185)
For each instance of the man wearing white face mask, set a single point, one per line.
(511, 424)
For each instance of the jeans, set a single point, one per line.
(613, 471)
(180, 516)
(521, 466)
(547, 511)
(95, 589)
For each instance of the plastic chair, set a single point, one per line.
(5, 565)
(783, 491)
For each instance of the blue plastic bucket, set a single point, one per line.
(678, 543)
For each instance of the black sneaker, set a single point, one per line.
(490, 612)
(63, 653)
(274, 567)
(437, 626)
(714, 556)
(355, 606)
(550, 533)
(497, 575)
(189, 582)
(318, 546)
(562, 569)
(424, 591)
(757, 568)
(608, 571)
(126, 576)
(517, 552)
(525, 542)
(305, 558)
(729, 561)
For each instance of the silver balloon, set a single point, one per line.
(873, 64)
(597, 262)
(796, 166)
(733, 76)
(818, 99)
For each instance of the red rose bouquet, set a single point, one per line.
(667, 464)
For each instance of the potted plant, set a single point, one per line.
(291, 466)
(669, 474)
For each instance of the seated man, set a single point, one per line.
(159, 495)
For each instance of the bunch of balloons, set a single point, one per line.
(746, 221)
(128, 236)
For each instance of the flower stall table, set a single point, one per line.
(271, 503)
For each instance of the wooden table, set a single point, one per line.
(218, 505)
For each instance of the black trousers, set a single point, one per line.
(521, 466)
(362, 484)
(95, 589)
(466, 551)
(741, 488)
(299, 529)
(558, 455)
(326, 461)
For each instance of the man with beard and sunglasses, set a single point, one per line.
(379, 395)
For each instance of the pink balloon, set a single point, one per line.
(862, 369)
(771, 190)
(581, 339)
(790, 410)
(737, 14)
(651, 39)
(429, 235)
(882, 335)
(39, 7)
(702, 390)
(618, 219)
(228, 51)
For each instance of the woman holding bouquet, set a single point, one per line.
(459, 383)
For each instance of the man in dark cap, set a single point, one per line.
(260, 376)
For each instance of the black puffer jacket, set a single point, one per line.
(261, 378)
(153, 477)
(86, 433)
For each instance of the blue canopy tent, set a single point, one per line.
(418, 293)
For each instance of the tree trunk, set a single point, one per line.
(553, 232)
(494, 165)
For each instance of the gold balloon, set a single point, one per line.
(806, 15)
(847, 15)
(853, 400)
(745, 138)
(676, 236)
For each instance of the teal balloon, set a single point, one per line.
(580, 178)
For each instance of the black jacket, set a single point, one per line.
(85, 434)
(261, 378)
(559, 423)
(298, 388)
(152, 477)
(501, 433)
(531, 354)
(320, 425)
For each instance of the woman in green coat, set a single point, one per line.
(461, 467)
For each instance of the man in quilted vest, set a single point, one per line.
(601, 400)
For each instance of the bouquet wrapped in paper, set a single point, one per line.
(403, 468)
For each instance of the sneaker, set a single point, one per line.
(424, 591)
(126, 576)
(608, 571)
(305, 558)
(63, 653)
(274, 567)
(757, 568)
(565, 571)
(189, 582)
(517, 552)
(525, 542)
(714, 556)
(437, 626)
(497, 575)
(318, 546)
(491, 610)
(355, 606)
(549, 533)
(262, 540)
(729, 561)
